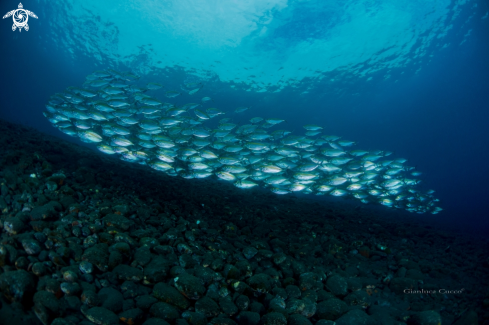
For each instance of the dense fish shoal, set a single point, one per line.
(119, 115)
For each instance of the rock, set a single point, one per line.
(250, 252)
(143, 255)
(383, 318)
(227, 306)
(297, 319)
(155, 321)
(468, 318)
(310, 308)
(324, 295)
(293, 291)
(309, 281)
(331, 309)
(398, 285)
(248, 318)
(164, 311)
(97, 255)
(13, 225)
(126, 272)
(242, 302)
(401, 273)
(70, 276)
(260, 282)
(17, 285)
(42, 313)
(207, 275)
(60, 321)
(39, 269)
(165, 293)
(221, 320)
(117, 221)
(427, 317)
(273, 319)
(70, 288)
(90, 298)
(355, 317)
(53, 286)
(72, 302)
(280, 292)
(85, 267)
(295, 306)
(414, 274)
(102, 316)
(46, 212)
(111, 299)
(194, 318)
(128, 304)
(21, 263)
(31, 246)
(277, 304)
(337, 285)
(115, 259)
(156, 270)
(190, 286)
(47, 299)
(129, 289)
(309, 295)
(145, 302)
(132, 316)
(326, 322)
(358, 298)
(207, 307)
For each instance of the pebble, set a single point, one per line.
(164, 311)
(248, 318)
(111, 299)
(102, 316)
(355, 317)
(31, 246)
(17, 286)
(132, 316)
(331, 309)
(273, 319)
(207, 307)
(337, 285)
(190, 286)
(70, 288)
(168, 294)
(428, 317)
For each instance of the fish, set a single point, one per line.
(99, 83)
(201, 114)
(245, 184)
(274, 121)
(150, 101)
(193, 91)
(312, 127)
(112, 111)
(90, 136)
(333, 152)
(154, 86)
(213, 112)
(172, 94)
(241, 109)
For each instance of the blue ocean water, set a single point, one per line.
(411, 77)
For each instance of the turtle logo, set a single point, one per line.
(20, 17)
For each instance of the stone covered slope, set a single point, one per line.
(91, 239)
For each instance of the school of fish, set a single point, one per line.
(122, 119)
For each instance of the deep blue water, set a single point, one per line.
(432, 110)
